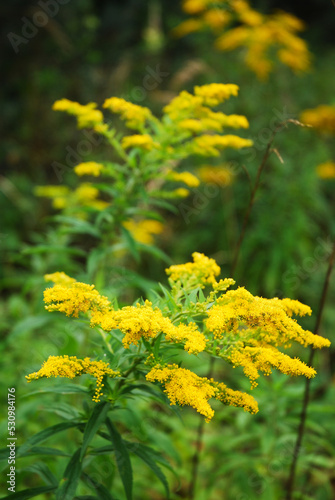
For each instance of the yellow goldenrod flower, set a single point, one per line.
(88, 168)
(326, 170)
(135, 116)
(260, 34)
(255, 359)
(216, 19)
(209, 145)
(148, 322)
(222, 176)
(194, 6)
(269, 319)
(185, 177)
(201, 271)
(71, 367)
(187, 27)
(144, 141)
(60, 278)
(179, 193)
(87, 115)
(86, 192)
(143, 231)
(322, 118)
(184, 387)
(75, 298)
(215, 93)
(240, 399)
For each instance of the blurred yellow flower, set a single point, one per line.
(144, 141)
(221, 175)
(322, 117)
(143, 230)
(89, 168)
(326, 170)
(135, 116)
(185, 177)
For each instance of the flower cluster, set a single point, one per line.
(87, 115)
(144, 321)
(74, 298)
(244, 330)
(144, 230)
(184, 387)
(322, 117)
(71, 367)
(89, 168)
(202, 271)
(236, 24)
(135, 116)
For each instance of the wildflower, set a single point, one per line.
(143, 231)
(269, 320)
(326, 170)
(200, 272)
(255, 359)
(221, 175)
(144, 321)
(86, 192)
(187, 27)
(59, 194)
(135, 116)
(321, 117)
(74, 298)
(240, 399)
(89, 168)
(184, 387)
(185, 177)
(60, 278)
(87, 115)
(215, 93)
(144, 141)
(209, 145)
(71, 367)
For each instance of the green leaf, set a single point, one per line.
(30, 493)
(44, 450)
(148, 456)
(156, 252)
(54, 248)
(45, 434)
(68, 487)
(29, 324)
(122, 459)
(100, 489)
(78, 225)
(60, 389)
(44, 472)
(131, 243)
(98, 416)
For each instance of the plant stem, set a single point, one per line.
(198, 444)
(303, 416)
(253, 194)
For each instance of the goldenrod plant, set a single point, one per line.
(264, 38)
(119, 203)
(197, 315)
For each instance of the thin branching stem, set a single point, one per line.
(303, 415)
(268, 150)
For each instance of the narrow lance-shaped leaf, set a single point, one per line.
(122, 459)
